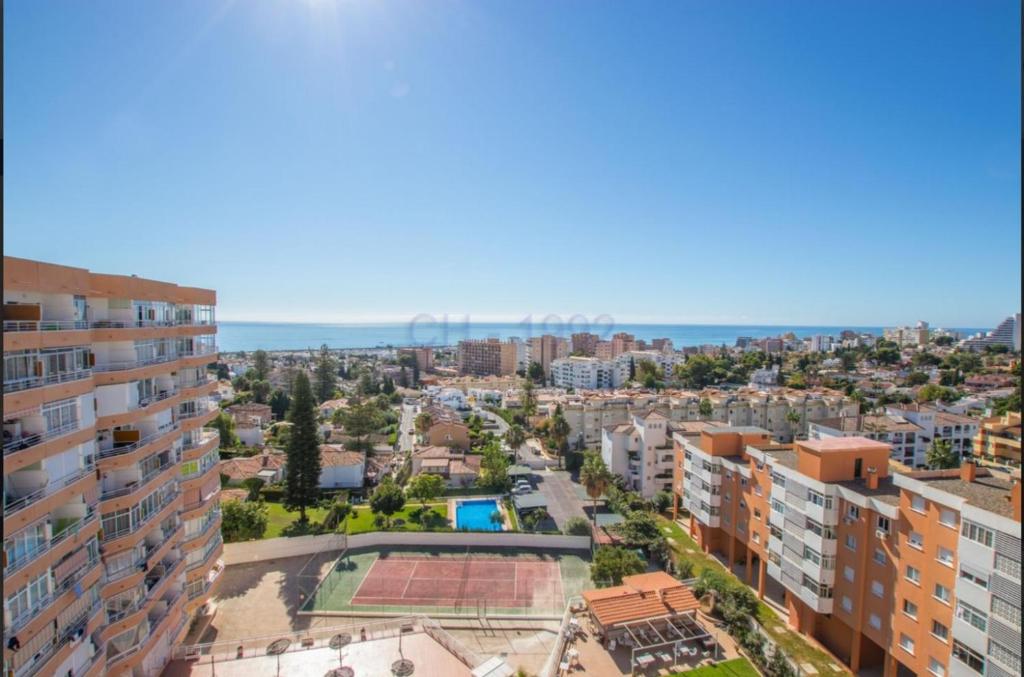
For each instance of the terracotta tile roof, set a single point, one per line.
(242, 468)
(640, 597)
(437, 452)
(337, 455)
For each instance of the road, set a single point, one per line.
(407, 433)
(560, 492)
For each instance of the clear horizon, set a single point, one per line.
(725, 163)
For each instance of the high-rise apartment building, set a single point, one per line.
(486, 357)
(623, 342)
(1008, 334)
(424, 357)
(111, 515)
(546, 349)
(907, 572)
(585, 344)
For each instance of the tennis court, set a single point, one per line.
(455, 580)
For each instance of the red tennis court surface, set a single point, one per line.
(423, 582)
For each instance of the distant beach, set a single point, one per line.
(248, 336)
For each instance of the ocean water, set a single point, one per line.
(248, 336)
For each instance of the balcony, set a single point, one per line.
(131, 324)
(198, 350)
(65, 583)
(199, 410)
(132, 528)
(120, 450)
(212, 522)
(211, 547)
(154, 398)
(134, 364)
(14, 504)
(139, 485)
(29, 440)
(16, 563)
(72, 631)
(18, 385)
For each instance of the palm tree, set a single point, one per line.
(940, 455)
(515, 437)
(560, 432)
(422, 423)
(793, 416)
(595, 478)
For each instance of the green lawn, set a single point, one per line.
(361, 519)
(795, 646)
(737, 667)
(280, 519)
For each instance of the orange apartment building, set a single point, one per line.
(111, 517)
(904, 572)
(488, 357)
(998, 438)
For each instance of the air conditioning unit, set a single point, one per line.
(881, 533)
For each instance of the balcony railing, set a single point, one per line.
(17, 563)
(22, 619)
(29, 382)
(33, 439)
(198, 350)
(69, 633)
(155, 397)
(134, 446)
(45, 325)
(21, 502)
(212, 521)
(195, 383)
(153, 632)
(198, 411)
(202, 470)
(134, 364)
(210, 548)
(135, 487)
(124, 531)
(203, 439)
(131, 324)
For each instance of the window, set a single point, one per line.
(757, 537)
(858, 467)
(907, 644)
(875, 622)
(879, 556)
(1006, 611)
(969, 614)
(1004, 656)
(978, 579)
(848, 573)
(778, 480)
(915, 540)
(743, 504)
(852, 511)
(778, 507)
(940, 631)
(977, 533)
(969, 657)
(913, 575)
(941, 593)
(758, 491)
(819, 499)
(851, 541)
(936, 668)
(945, 556)
(917, 504)
(883, 524)
(947, 518)
(877, 589)
(757, 513)
(910, 609)
(847, 604)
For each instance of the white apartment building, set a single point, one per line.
(665, 361)
(588, 373)
(765, 378)
(640, 451)
(936, 424)
(819, 343)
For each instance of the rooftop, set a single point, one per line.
(881, 424)
(833, 444)
(640, 597)
(887, 491)
(985, 492)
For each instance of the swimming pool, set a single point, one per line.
(476, 515)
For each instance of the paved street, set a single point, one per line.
(561, 494)
(406, 434)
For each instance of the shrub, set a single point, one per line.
(684, 569)
(577, 526)
(662, 501)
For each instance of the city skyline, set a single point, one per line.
(356, 162)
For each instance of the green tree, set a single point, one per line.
(223, 373)
(917, 378)
(260, 391)
(887, 355)
(497, 519)
(932, 392)
(793, 417)
(612, 563)
(253, 484)
(360, 420)
(279, 403)
(423, 422)
(533, 519)
(705, 408)
(387, 500)
(595, 478)
(662, 501)
(536, 372)
(388, 387)
(529, 401)
(243, 520)
(302, 476)
(425, 487)
(515, 437)
(943, 340)
(494, 467)
(261, 365)
(696, 372)
(577, 526)
(225, 427)
(940, 455)
(337, 513)
(640, 529)
(325, 375)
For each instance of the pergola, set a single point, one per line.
(680, 631)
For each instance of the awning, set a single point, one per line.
(530, 501)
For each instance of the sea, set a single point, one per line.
(249, 336)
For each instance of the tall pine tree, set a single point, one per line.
(326, 375)
(302, 479)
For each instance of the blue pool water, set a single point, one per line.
(476, 515)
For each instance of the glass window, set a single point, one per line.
(875, 622)
(940, 630)
(879, 556)
(917, 503)
(913, 575)
(851, 541)
(1004, 656)
(909, 608)
(915, 540)
(1008, 566)
(847, 604)
(969, 614)
(936, 668)
(848, 573)
(1005, 610)
(907, 644)
(977, 579)
(977, 533)
(947, 517)
(969, 657)
(945, 556)
(941, 593)
(877, 589)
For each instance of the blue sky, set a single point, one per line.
(845, 163)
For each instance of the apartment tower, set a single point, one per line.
(488, 357)
(111, 517)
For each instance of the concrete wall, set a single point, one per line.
(274, 548)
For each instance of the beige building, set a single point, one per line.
(486, 357)
(547, 348)
(424, 357)
(111, 513)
